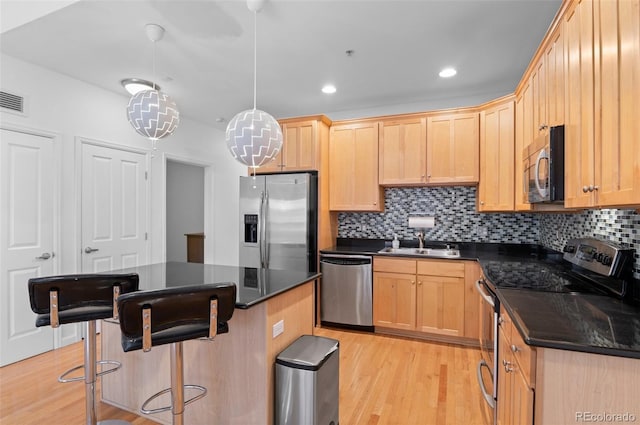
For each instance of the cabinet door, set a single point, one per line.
(521, 398)
(453, 148)
(618, 122)
(353, 168)
(539, 92)
(403, 151)
(299, 146)
(554, 61)
(496, 189)
(521, 202)
(440, 305)
(503, 375)
(579, 126)
(394, 300)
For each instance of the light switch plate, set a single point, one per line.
(278, 328)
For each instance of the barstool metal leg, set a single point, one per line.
(90, 371)
(177, 383)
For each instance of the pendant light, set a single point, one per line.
(253, 136)
(151, 112)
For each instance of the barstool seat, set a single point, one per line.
(59, 300)
(171, 316)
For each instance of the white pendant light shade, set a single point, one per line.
(254, 137)
(153, 114)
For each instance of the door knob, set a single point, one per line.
(89, 250)
(45, 256)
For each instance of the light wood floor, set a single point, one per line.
(383, 380)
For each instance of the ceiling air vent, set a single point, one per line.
(12, 102)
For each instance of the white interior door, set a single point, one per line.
(114, 208)
(26, 239)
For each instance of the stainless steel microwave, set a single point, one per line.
(544, 167)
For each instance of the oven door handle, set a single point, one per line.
(488, 398)
(483, 294)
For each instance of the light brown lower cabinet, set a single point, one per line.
(425, 296)
(544, 386)
(515, 392)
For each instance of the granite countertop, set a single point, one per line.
(253, 285)
(569, 321)
(578, 322)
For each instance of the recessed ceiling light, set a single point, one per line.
(135, 85)
(448, 72)
(329, 89)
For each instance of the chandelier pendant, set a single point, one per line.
(254, 137)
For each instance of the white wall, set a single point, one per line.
(72, 108)
(185, 206)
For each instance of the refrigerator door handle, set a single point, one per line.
(261, 226)
(266, 230)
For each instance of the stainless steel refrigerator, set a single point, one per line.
(278, 221)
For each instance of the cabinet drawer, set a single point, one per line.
(524, 355)
(505, 323)
(394, 265)
(441, 268)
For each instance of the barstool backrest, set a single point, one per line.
(174, 315)
(78, 297)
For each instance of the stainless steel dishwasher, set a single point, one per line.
(346, 291)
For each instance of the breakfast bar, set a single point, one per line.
(273, 308)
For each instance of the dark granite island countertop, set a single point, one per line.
(253, 285)
(273, 309)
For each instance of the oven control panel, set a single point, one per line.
(603, 257)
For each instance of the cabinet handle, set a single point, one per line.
(596, 187)
(428, 176)
(543, 127)
(481, 202)
(514, 348)
(585, 189)
(413, 282)
(419, 283)
(375, 203)
(500, 320)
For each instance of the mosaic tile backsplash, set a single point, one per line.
(621, 226)
(456, 219)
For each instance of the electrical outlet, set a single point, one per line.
(278, 328)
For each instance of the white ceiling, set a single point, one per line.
(205, 61)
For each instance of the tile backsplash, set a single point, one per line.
(456, 219)
(617, 225)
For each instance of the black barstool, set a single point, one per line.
(171, 316)
(58, 300)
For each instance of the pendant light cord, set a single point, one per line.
(255, 55)
(154, 65)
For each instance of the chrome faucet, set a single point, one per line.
(420, 236)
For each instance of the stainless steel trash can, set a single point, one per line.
(307, 382)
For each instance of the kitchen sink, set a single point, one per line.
(445, 252)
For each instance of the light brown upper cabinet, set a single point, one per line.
(300, 146)
(540, 104)
(353, 168)
(453, 148)
(495, 191)
(403, 151)
(603, 103)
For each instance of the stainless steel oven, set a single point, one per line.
(487, 366)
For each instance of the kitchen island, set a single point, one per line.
(237, 368)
